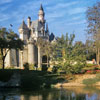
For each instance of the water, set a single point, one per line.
(74, 93)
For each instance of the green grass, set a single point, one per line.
(91, 81)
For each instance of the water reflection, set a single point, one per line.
(74, 93)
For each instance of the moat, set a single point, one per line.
(73, 93)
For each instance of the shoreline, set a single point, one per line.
(78, 81)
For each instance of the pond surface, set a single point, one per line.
(73, 93)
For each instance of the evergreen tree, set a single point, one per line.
(70, 57)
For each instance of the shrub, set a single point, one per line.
(31, 67)
(97, 71)
(89, 65)
(5, 75)
(54, 69)
(44, 67)
(31, 81)
(26, 66)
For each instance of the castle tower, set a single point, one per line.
(41, 14)
(47, 29)
(29, 22)
(31, 52)
(23, 30)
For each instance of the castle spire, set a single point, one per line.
(23, 25)
(47, 29)
(41, 7)
(41, 14)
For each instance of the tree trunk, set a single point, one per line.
(3, 59)
(39, 57)
(3, 64)
(98, 56)
(47, 61)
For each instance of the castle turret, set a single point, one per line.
(47, 29)
(29, 22)
(31, 52)
(23, 30)
(41, 14)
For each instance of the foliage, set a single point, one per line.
(91, 69)
(93, 28)
(8, 40)
(90, 50)
(44, 67)
(89, 65)
(45, 47)
(54, 69)
(26, 66)
(31, 67)
(31, 81)
(70, 57)
(0, 61)
(5, 75)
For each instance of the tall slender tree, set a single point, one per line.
(93, 20)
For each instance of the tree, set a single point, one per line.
(93, 28)
(69, 56)
(63, 49)
(48, 51)
(40, 45)
(8, 40)
(90, 50)
(45, 47)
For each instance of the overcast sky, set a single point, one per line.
(62, 15)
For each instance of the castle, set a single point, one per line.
(29, 34)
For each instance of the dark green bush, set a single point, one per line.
(44, 67)
(54, 69)
(5, 75)
(26, 66)
(31, 81)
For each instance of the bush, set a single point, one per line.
(5, 75)
(26, 66)
(54, 69)
(31, 81)
(44, 67)
(11, 67)
(73, 68)
(89, 65)
(31, 67)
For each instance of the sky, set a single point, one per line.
(62, 16)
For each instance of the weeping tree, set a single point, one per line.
(8, 40)
(93, 28)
